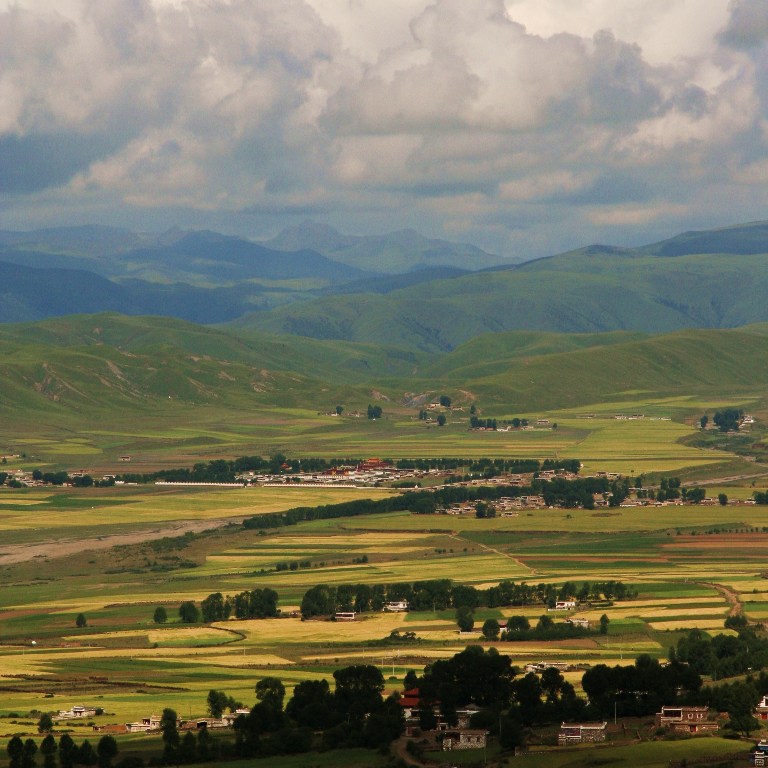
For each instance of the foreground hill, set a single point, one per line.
(112, 362)
(594, 289)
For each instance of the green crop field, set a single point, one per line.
(116, 554)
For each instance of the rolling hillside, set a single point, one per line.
(594, 289)
(115, 362)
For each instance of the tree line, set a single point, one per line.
(249, 604)
(21, 753)
(441, 594)
(227, 470)
(556, 492)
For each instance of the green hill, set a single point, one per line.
(113, 362)
(332, 361)
(587, 291)
(714, 362)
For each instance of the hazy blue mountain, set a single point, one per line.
(211, 257)
(31, 294)
(395, 252)
(92, 240)
(594, 289)
(743, 239)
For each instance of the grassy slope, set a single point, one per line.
(697, 360)
(583, 291)
(109, 361)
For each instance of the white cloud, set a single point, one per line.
(481, 116)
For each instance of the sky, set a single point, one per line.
(526, 127)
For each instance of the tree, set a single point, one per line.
(427, 718)
(67, 751)
(491, 629)
(170, 733)
(445, 401)
(15, 751)
(204, 752)
(271, 690)
(106, 750)
(704, 420)
(312, 705)
(339, 410)
(441, 420)
(45, 723)
(518, 624)
(544, 623)
(740, 716)
(161, 615)
(483, 510)
(604, 621)
(465, 618)
(728, 419)
(215, 608)
(217, 701)
(318, 601)
(358, 689)
(81, 621)
(374, 411)
(723, 499)
(48, 751)
(188, 612)
(188, 748)
(28, 754)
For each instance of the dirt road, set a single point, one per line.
(20, 553)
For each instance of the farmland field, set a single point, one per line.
(116, 554)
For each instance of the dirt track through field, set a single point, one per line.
(20, 553)
(494, 550)
(737, 609)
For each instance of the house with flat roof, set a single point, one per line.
(686, 719)
(465, 738)
(579, 733)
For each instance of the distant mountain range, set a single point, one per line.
(712, 279)
(201, 276)
(708, 279)
(396, 252)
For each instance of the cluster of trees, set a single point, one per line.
(424, 416)
(21, 753)
(640, 689)
(516, 423)
(354, 715)
(58, 478)
(441, 594)
(374, 411)
(728, 419)
(556, 492)
(226, 471)
(485, 678)
(519, 628)
(739, 700)
(476, 422)
(669, 489)
(250, 604)
(723, 655)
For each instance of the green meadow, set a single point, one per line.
(116, 554)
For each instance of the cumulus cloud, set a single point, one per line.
(748, 24)
(485, 119)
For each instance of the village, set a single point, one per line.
(426, 726)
